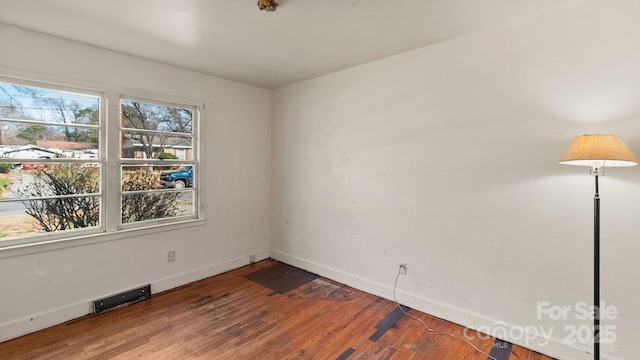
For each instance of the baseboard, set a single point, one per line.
(203, 273)
(553, 347)
(15, 328)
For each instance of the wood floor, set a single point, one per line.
(266, 310)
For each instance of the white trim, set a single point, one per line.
(170, 101)
(34, 77)
(554, 347)
(59, 243)
(143, 224)
(112, 214)
(49, 123)
(25, 80)
(18, 327)
(194, 135)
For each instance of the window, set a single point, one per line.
(55, 169)
(50, 160)
(151, 134)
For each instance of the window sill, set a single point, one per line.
(84, 240)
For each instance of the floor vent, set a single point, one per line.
(125, 298)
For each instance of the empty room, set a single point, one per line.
(335, 179)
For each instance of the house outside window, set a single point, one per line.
(55, 170)
(151, 132)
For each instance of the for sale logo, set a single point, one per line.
(574, 334)
(581, 311)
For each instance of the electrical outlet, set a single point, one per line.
(252, 259)
(403, 268)
(171, 256)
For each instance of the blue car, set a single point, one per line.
(179, 179)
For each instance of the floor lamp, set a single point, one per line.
(597, 151)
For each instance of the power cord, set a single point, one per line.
(431, 331)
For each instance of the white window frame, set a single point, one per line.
(130, 161)
(110, 226)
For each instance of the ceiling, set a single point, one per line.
(233, 39)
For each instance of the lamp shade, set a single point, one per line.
(598, 150)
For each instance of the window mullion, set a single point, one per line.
(111, 174)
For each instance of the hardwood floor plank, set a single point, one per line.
(277, 313)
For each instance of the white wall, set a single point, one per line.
(51, 286)
(446, 158)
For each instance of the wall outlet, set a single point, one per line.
(171, 256)
(252, 259)
(403, 269)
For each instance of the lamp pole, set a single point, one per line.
(596, 271)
